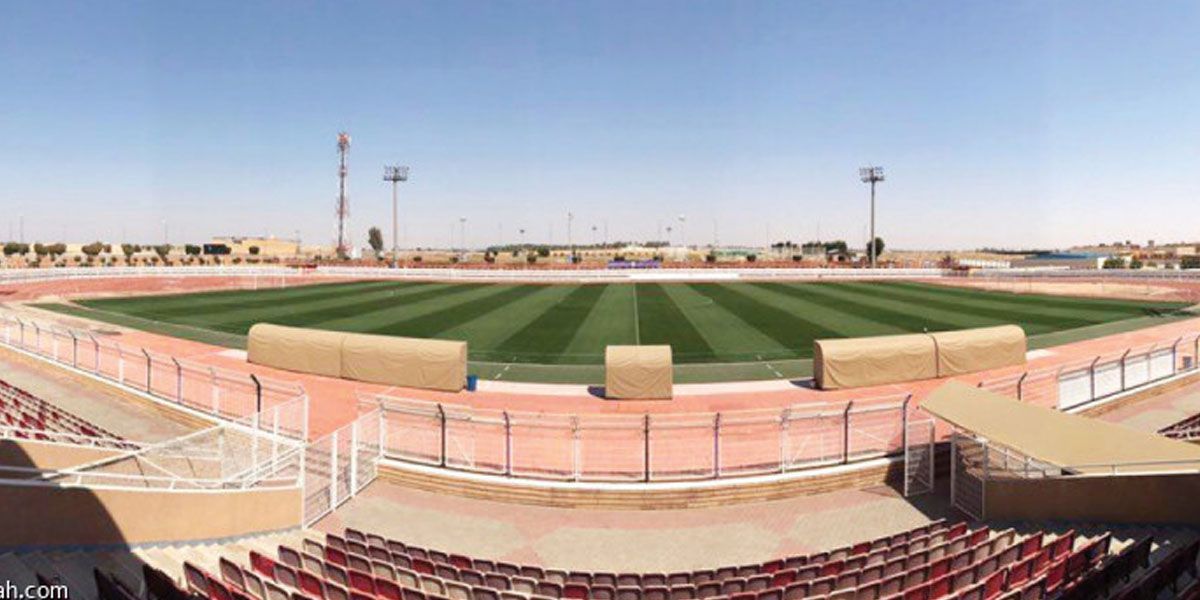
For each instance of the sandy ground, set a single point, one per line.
(1164, 290)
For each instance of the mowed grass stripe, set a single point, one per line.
(234, 318)
(1072, 302)
(787, 329)
(267, 299)
(1032, 322)
(487, 331)
(547, 337)
(730, 338)
(1033, 305)
(167, 303)
(660, 321)
(822, 312)
(353, 308)
(433, 323)
(907, 316)
(609, 323)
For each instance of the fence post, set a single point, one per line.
(178, 380)
(148, 369)
(120, 365)
(96, 346)
(442, 425)
(717, 445)
(333, 470)
(646, 447)
(1092, 377)
(216, 391)
(1124, 357)
(576, 456)
(784, 446)
(1175, 355)
(508, 466)
(904, 425)
(257, 394)
(1021, 386)
(37, 339)
(353, 458)
(22, 325)
(846, 432)
(74, 350)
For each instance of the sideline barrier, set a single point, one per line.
(647, 447)
(638, 372)
(389, 360)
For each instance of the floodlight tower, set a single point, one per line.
(871, 175)
(343, 205)
(395, 174)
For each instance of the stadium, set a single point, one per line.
(984, 408)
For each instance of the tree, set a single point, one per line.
(1135, 263)
(877, 244)
(1190, 262)
(191, 250)
(93, 249)
(57, 250)
(40, 250)
(543, 251)
(1113, 263)
(162, 250)
(839, 245)
(129, 250)
(375, 239)
(254, 250)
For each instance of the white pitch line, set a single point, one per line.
(502, 372)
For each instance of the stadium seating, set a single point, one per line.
(25, 416)
(939, 560)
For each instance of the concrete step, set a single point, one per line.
(13, 569)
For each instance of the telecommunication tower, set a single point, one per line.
(343, 203)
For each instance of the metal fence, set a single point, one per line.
(1080, 382)
(339, 465)
(218, 392)
(645, 447)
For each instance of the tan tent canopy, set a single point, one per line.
(1052, 436)
(296, 349)
(859, 362)
(407, 362)
(638, 372)
(970, 350)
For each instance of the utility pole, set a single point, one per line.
(395, 174)
(871, 175)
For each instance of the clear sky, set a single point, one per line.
(998, 123)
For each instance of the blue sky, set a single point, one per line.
(999, 123)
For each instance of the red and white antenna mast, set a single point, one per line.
(343, 203)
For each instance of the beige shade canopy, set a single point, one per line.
(638, 372)
(407, 362)
(969, 350)
(865, 361)
(1055, 437)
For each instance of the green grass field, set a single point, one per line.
(516, 331)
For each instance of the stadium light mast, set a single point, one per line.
(395, 174)
(871, 175)
(343, 205)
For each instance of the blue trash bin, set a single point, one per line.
(472, 381)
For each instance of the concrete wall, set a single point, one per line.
(44, 455)
(49, 516)
(1120, 499)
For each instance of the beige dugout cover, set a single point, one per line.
(407, 362)
(296, 349)
(969, 350)
(638, 372)
(859, 362)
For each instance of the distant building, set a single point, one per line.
(1061, 261)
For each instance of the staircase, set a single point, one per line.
(73, 568)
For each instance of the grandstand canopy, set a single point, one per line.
(1055, 437)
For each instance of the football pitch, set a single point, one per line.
(537, 332)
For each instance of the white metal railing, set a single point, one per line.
(641, 447)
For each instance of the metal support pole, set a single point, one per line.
(178, 380)
(646, 447)
(353, 457)
(874, 250)
(717, 445)
(1092, 377)
(148, 370)
(96, 345)
(576, 455)
(1124, 367)
(442, 422)
(904, 425)
(257, 393)
(333, 470)
(1021, 386)
(846, 432)
(74, 350)
(784, 445)
(508, 445)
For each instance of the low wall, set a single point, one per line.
(45, 455)
(1157, 498)
(57, 516)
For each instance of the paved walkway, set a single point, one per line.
(649, 541)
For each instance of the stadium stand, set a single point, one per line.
(29, 417)
(1186, 429)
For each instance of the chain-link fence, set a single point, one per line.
(645, 447)
(218, 392)
(1080, 382)
(340, 464)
